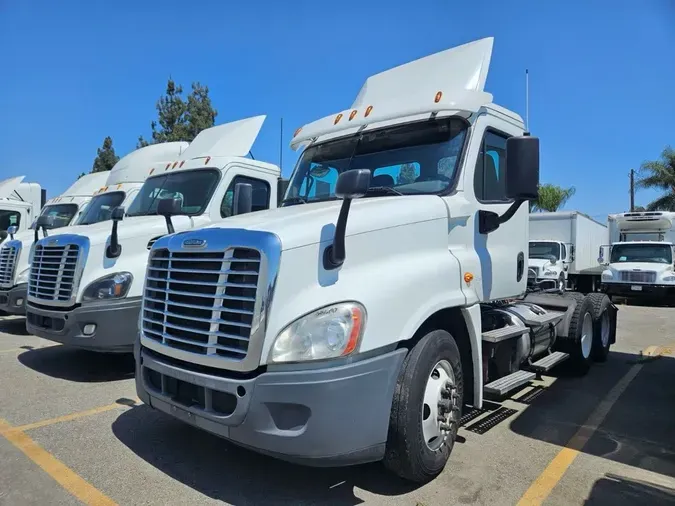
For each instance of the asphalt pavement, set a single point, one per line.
(73, 432)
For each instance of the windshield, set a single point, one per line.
(8, 218)
(544, 250)
(650, 253)
(62, 214)
(413, 159)
(192, 188)
(100, 208)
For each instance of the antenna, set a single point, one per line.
(527, 101)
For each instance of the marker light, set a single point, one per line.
(368, 111)
(295, 134)
(181, 164)
(151, 171)
(337, 119)
(438, 97)
(208, 159)
(167, 166)
(352, 114)
(174, 164)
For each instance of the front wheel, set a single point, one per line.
(426, 409)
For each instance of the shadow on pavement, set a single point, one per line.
(639, 429)
(79, 365)
(613, 489)
(223, 471)
(14, 326)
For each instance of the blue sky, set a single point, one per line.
(601, 74)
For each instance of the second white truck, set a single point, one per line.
(20, 204)
(564, 248)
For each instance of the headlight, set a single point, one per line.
(607, 275)
(113, 286)
(329, 332)
(669, 277)
(549, 273)
(23, 276)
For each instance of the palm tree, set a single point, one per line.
(660, 174)
(552, 197)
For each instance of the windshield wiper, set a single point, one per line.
(382, 190)
(294, 200)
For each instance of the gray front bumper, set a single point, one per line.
(13, 301)
(320, 417)
(116, 325)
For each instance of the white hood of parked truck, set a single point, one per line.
(305, 224)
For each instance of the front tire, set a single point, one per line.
(426, 409)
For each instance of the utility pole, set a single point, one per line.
(632, 190)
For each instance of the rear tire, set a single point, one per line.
(430, 387)
(579, 341)
(605, 326)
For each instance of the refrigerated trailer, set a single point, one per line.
(564, 248)
(353, 323)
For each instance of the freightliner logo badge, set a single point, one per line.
(194, 243)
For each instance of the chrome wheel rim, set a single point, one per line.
(586, 335)
(438, 405)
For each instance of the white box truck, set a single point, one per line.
(564, 248)
(56, 213)
(89, 200)
(94, 302)
(639, 261)
(353, 323)
(20, 204)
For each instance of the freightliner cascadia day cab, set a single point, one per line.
(352, 323)
(57, 213)
(639, 262)
(94, 302)
(20, 204)
(118, 187)
(563, 247)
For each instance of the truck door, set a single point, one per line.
(503, 252)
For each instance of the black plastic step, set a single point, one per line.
(492, 420)
(549, 361)
(501, 386)
(504, 333)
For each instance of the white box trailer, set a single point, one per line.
(564, 247)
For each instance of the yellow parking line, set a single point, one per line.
(67, 418)
(549, 478)
(62, 474)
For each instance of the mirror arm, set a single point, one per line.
(114, 249)
(169, 224)
(511, 211)
(334, 255)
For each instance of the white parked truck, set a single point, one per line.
(14, 253)
(353, 323)
(564, 248)
(639, 261)
(20, 204)
(89, 200)
(94, 302)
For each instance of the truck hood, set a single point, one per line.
(305, 224)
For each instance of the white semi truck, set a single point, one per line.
(94, 302)
(353, 323)
(20, 204)
(57, 212)
(564, 248)
(89, 200)
(639, 260)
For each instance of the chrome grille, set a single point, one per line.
(52, 272)
(533, 270)
(638, 276)
(202, 302)
(8, 256)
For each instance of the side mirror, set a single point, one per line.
(243, 199)
(570, 252)
(115, 248)
(44, 222)
(352, 184)
(169, 207)
(522, 168)
(604, 255)
(11, 231)
(117, 214)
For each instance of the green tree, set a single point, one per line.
(552, 197)
(179, 119)
(105, 156)
(660, 175)
(407, 175)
